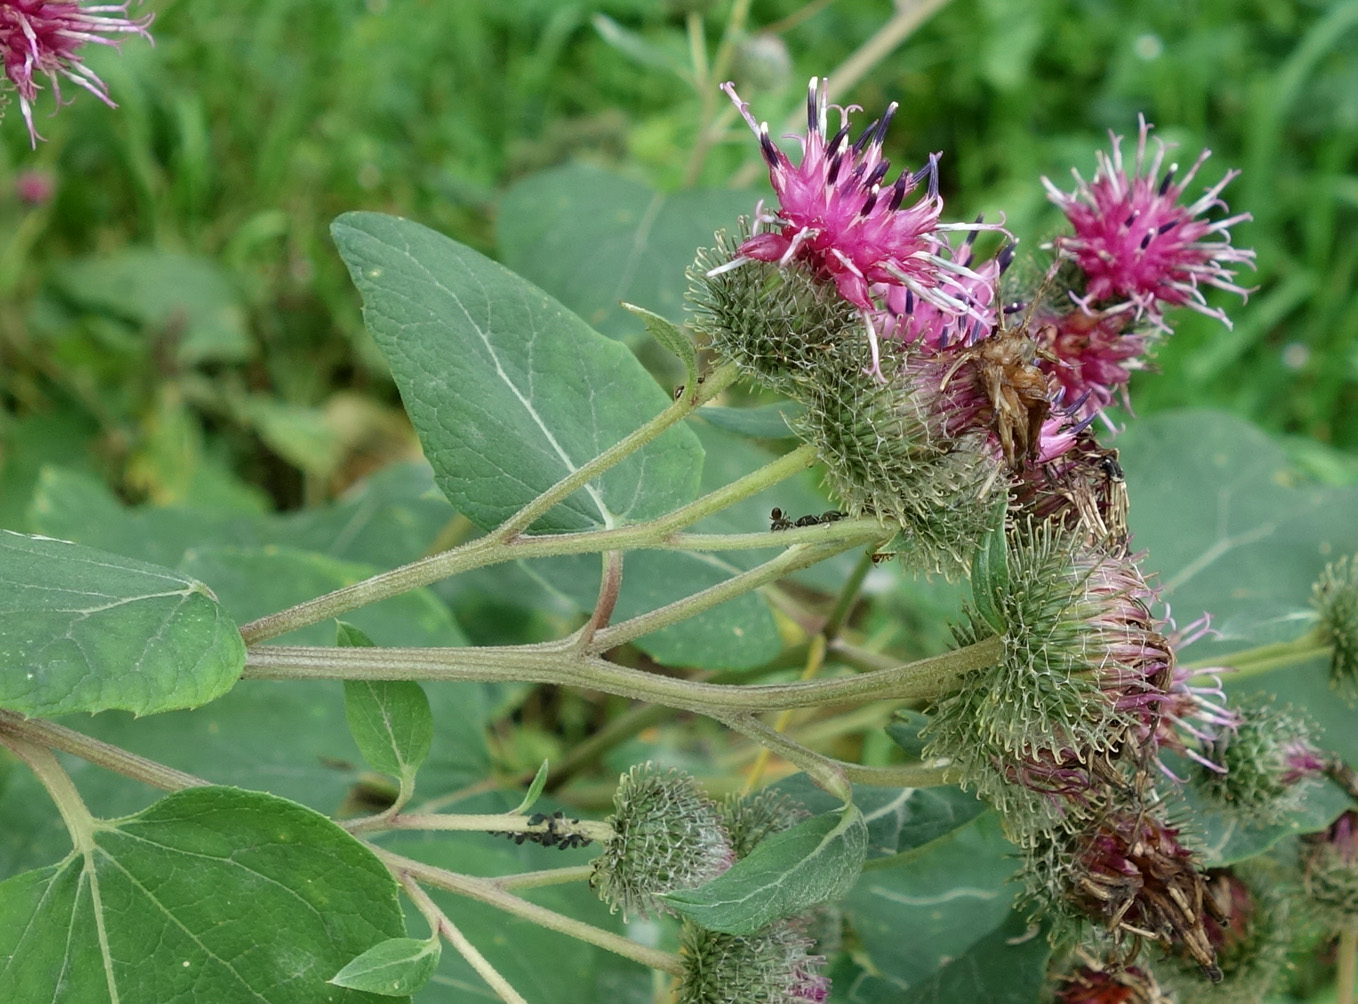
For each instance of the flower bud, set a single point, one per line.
(885, 454)
(1335, 598)
(771, 967)
(666, 836)
(1263, 762)
(750, 818)
(779, 325)
(1109, 983)
(1330, 872)
(761, 62)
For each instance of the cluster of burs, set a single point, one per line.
(1083, 731)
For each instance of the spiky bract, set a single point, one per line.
(749, 819)
(885, 456)
(666, 836)
(1330, 872)
(1248, 927)
(779, 325)
(1073, 682)
(1336, 600)
(771, 967)
(1262, 762)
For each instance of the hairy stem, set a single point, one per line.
(1346, 975)
(495, 548)
(79, 823)
(926, 678)
(488, 892)
(548, 876)
(101, 754)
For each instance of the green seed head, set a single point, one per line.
(1264, 762)
(1335, 598)
(666, 836)
(750, 818)
(770, 967)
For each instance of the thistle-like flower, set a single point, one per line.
(44, 38)
(1257, 766)
(1091, 356)
(837, 214)
(771, 967)
(1335, 598)
(1139, 248)
(666, 836)
(1129, 874)
(1083, 671)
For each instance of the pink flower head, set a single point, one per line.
(837, 215)
(916, 321)
(1091, 356)
(1193, 714)
(44, 37)
(1138, 247)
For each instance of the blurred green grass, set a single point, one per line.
(248, 127)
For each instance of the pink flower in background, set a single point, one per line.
(837, 215)
(1138, 247)
(44, 38)
(35, 187)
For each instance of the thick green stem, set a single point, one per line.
(794, 559)
(1266, 658)
(925, 678)
(99, 753)
(548, 876)
(486, 891)
(1346, 975)
(830, 773)
(79, 823)
(495, 548)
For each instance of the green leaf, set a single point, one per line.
(394, 968)
(897, 820)
(1007, 966)
(1225, 838)
(188, 300)
(85, 630)
(390, 720)
(210, 894)
(944, 894)
(990, 569)
(816, 861)
(672, 337)
(508, 391)
(1229, 525)
(639, 241)
(534, 790)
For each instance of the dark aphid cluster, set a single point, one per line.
(556, 832)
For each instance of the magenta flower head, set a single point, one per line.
(838, 216)
(1139, 248)
(44, 38)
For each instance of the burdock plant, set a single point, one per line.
(960, 418)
